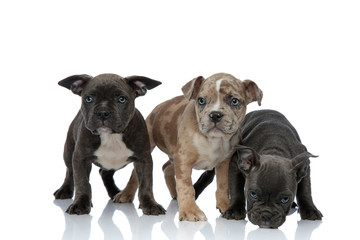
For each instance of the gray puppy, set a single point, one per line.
(270, 172)
(111, 133)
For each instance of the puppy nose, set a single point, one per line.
(266, 218)
(215, 116)
(103, 114)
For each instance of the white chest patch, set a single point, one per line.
(112, 153)
(212, 151)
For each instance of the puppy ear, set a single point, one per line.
(192, 88)
(75, 83)
(301, 164)
(253, 92)
(247, 158)
(141, 84)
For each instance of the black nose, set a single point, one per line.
(266, 218)
(102, 115)
(215, 116)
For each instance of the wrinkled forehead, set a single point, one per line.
(107, 83)
(274, 176)
(223, 84)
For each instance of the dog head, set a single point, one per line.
(108, 100)
(271, 184)
(221, 102)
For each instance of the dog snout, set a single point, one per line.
(266, 218)
(215, 116)
(103, 114)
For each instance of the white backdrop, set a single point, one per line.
(304, 55)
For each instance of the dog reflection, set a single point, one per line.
(79, 227)
(76, 227)
(185, 230)
(141, 226)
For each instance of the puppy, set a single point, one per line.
(111, 133)
(274, 168)
(200, 130)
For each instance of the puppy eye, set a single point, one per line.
(122, 100)
(201, 101)
(89, 99)
(235, 102)
(253, 194)
(285, 200)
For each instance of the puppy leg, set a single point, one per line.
(236, 188)
(127, 195)
(169, 174)
(307, 207)
(144, 168)
(188, 210)
(82, 201)
(205, 179)
(108, 179)
(222, 192)
(67, 189)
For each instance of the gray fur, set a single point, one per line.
(105, 113)
(269, 170)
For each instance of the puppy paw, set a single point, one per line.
(233, 213)
(223, 205)
(123, 197)
(192, 215)
(78, 209)
(154, 209)
(63, 193)
(310, 214)
(80, 206)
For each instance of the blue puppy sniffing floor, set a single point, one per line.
(269, 170)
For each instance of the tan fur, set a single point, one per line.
(127, 195)
(222, 200)
(169, 173)
(182, 129)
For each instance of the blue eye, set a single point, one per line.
(285, 200)
(122, 100)
(253, 194)
(234, 102)
(89, 99)
(201, 101)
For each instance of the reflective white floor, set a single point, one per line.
(145, 227)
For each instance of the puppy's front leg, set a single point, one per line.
(82, 201)
(143, 168)
(222, 192)
(188, 210)
(307, 207)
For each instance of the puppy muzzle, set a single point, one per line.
(217, 125)
(266, 219)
